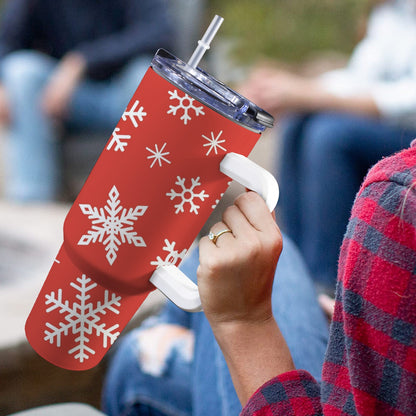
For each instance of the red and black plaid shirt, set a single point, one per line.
(370, 364)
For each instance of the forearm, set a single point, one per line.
(279, 92)
(318, 99)
(255, 353)
(62, 84)
(235, 281)
(4, 106)
(73, 65)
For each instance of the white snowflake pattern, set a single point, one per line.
(187, 195)
(134, 114)
(118, 140)
(186, 103)
(112, 225)
(218, 200)
(214, 143)
(82, 318)
(172, 257)
(158, 155)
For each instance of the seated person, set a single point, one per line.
(74, 64)
(335, 127)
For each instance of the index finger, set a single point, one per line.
(254, 208)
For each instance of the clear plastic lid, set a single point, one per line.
(211, 92)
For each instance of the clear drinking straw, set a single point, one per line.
(206, 40)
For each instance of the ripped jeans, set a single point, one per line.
(172, 365)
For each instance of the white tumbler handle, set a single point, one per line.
(171, 281)
(252, 176)
(177, 287)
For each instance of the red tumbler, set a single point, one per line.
(160, 175)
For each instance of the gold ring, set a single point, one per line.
(214, 237)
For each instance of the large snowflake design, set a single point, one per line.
(158, 155)
(173, 256)
(134, 114)
(112, 225)
(185, 103)
(214, 143)
(82, 318)
(119, 141)
(187, 195)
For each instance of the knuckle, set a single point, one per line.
(275, 247)
(252, 247)
(247, 197)
(229, 212)
(274, 241)
(209, 266)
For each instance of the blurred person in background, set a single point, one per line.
(73, 64)
(335, 127)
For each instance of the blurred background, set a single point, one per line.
(308, 36)
(293, 32)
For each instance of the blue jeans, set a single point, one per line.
(324, 158)
(32, 156)
(202, 385)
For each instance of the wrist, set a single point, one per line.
(242, 319)
(73, 65)
(240, 326)
(315, 97)
(71, 70)
(255, 353)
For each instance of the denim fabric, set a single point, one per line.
(32, 156)
(203, 386)
(324, 158)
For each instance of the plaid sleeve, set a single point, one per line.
(370, 366)
(293, 393)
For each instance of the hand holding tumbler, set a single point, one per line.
(166, 165)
